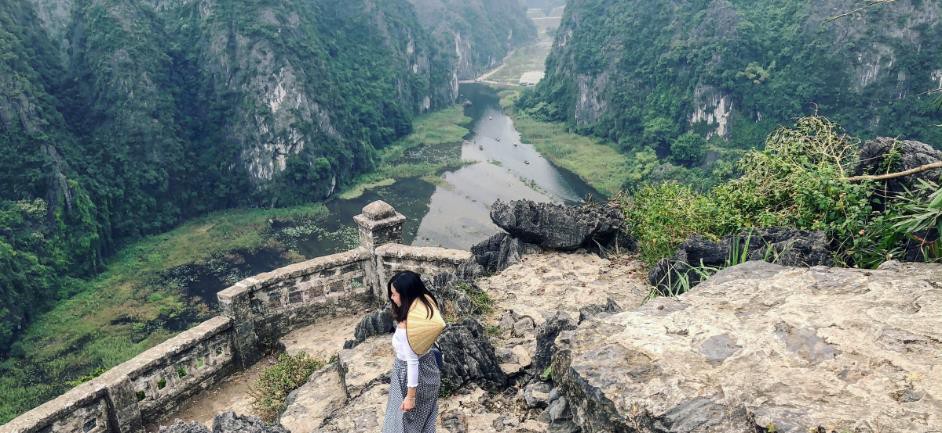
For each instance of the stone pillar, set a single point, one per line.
(235, 303)
(379, 224)
(124, 412)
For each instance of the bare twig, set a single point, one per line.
(867, 5)
(888, 176)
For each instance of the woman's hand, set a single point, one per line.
(407, 404)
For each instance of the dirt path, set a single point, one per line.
(321, 340)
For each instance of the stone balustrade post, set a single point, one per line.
(378, 224)
(124, 412)
(235, 303)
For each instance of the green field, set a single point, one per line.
(130, 307)
(427, 151)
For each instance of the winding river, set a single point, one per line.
(455, 213)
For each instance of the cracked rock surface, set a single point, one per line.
(760, 346)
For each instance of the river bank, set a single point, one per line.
(595, 161)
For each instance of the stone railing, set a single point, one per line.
(255, 313)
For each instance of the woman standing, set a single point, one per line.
(414, 381)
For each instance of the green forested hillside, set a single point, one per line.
(120, 119)
(694, 82)
(457, 24)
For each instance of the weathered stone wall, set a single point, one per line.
(255, 312)
(152, 382)
(268, 306)
(392, 258)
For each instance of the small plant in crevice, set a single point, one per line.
(680, 279)
(481, 302)
(920, 217)
(738, 250)
(271, 389)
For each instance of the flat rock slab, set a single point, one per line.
(367, 363)
(542, 284)
(761, 345)
(313, 402)
(323, 339)
(364, 414)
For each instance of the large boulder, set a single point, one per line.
(762, 347)
(469, 357)
(308, 406)
(379, 322)
(226, 422)
(783, 246)
(501, 251)
(883, 155)
(562, 228)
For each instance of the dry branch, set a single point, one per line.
(888, 176)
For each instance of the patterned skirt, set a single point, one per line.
(422, 418)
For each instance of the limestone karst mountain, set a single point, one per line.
(634, 70)
(123, 118)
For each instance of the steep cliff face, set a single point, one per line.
(735, 69)
(479, 32)
(121, 118)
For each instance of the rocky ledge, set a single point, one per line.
(762, 348)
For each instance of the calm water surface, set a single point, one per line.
(456, 213)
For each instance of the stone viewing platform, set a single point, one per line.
(545, 335)
(255, 313)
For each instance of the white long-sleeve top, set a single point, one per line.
(405, 353)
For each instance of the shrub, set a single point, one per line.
(660, 217)
(688, 149)
(274, 384)
(800, 180)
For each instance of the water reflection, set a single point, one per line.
(456, 212)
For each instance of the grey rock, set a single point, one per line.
(558, 410)
(229, 422)
(226, 422)
(761, 345)
(379, 210)
(907, 155)
(453, 292)
(501, 251)
(179, 426)
(554, 395)
(536, 395)
(609, 307)
(563, 427)
(784, 246)
(559, 227)
(379, 322)
(469, 357)
(523, 327)
(546, 339)
(507, 321)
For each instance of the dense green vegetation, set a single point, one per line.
(636, 73)
(800, 179)
(140, 299)
(149, 116)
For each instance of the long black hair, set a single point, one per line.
(410, 287)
